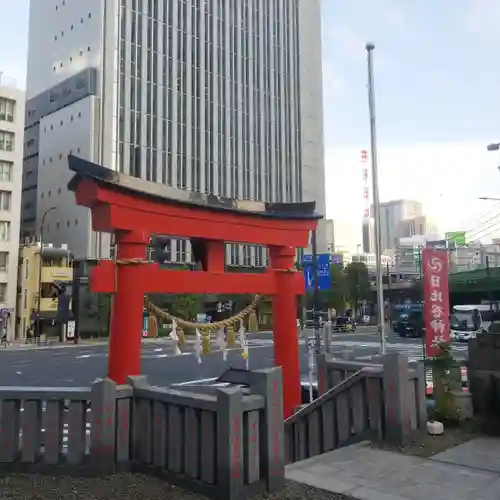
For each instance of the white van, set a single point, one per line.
(467, 321)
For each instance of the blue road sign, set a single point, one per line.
(324, 281)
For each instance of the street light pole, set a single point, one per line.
(40, 266)
(376, 202)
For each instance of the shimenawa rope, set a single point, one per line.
(203, 327)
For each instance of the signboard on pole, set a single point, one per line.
(70, 330)
(338, 259)
(436, 299)
(324, 281)
(459, 238)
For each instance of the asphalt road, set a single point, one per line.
(74, 366)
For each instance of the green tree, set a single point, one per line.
(358, 283)
(337, 296)
(186, 306)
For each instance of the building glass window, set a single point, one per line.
(4, 230)
(6, 141)
(3, 292)
(5, 200)
(7, 109)
(5, 171)
(4, 261)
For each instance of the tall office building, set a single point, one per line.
(214, 96)
(11, 150)
(392, 213)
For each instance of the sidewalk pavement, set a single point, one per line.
(465, 472)
(55, 344)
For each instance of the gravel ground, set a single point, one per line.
(429, 445)
(128, 487)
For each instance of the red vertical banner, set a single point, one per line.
(436, 299)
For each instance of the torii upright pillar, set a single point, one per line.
(285, 334)
(124, 358)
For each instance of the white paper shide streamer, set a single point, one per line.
(221, 343)
(244, 343)
(175, 337)
(198, 346)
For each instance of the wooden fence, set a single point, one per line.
(225, 445)
(359, 400)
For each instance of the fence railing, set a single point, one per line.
(349, 412)
(228, 444)
(398, 386)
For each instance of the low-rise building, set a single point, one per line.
(11, 172)
(40, 268)
(474, 256)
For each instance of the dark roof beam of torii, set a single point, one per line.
(85, 169)
(123, 203)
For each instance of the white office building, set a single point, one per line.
(215, 96)
(11, 156)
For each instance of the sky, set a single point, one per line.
(437, 74)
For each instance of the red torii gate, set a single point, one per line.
(134, 210)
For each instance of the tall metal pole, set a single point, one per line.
(376, 202)
(315, 305)
(40, 267)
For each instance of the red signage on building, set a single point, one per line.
(436, 299)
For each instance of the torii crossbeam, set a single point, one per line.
(134, 210)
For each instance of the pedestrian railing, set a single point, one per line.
(228, 444)
(347, 413)
(398, 387)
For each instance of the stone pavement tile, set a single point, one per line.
(439, 481)
(364, 493)
(370, 474)
(480, 453)
(327, 483)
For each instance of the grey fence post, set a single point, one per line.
(10, 417)
(103, 423)
(322, 369)
(395, 383)
(421, 393)
(138, 428)
(268, 383)
(124, 407)
(229, 443)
